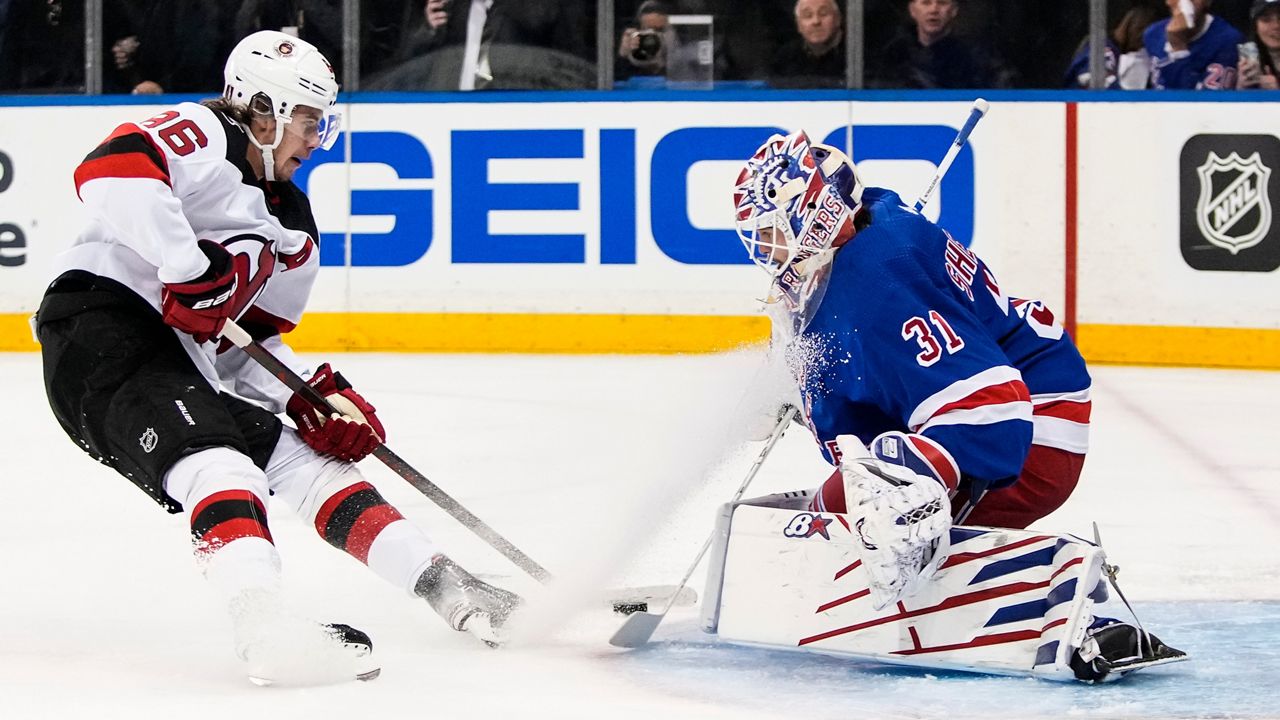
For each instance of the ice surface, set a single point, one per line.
(607, 470)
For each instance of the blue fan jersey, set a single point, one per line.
(1208, 63)
(914, 334)
(1078, 73)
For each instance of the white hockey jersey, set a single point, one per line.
(153, 188)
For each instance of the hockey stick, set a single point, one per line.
(980, 107)
(241, 339)
(639, 627)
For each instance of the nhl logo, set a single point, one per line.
(1234, 210)
(1226, 202)
(148, 440)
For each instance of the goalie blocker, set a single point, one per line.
(1007, 602)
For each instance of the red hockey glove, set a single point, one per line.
(350, 435)
(200, 307)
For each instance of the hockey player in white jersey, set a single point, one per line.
(194, 220)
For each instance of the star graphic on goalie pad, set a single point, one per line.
(819, 525)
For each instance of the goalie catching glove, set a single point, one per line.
(903, 516)
(349, 434)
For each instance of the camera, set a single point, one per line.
(648, 45)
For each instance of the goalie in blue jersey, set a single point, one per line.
(903, 338)
(939, 397)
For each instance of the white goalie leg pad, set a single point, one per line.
(1010, 602)
(903, 520)
(306, 481)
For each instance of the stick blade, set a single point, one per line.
(637, 630)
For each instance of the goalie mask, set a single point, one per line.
(274, 73)
(795, 204)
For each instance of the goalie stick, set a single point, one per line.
(639, 627)
(979, 109)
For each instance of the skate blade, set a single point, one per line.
(1126, 668)
(480, 627)
(365, 676)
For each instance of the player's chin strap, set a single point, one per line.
(268, 151)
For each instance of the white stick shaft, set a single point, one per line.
(976, 113)
(639, 627)
(783, 423)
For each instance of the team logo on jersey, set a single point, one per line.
(1227, 199)
(1234, 212)
(148, 440)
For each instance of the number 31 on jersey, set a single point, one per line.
(930, 348)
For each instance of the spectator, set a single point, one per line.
(43, 46)
(1196, 53)
(121, 21)
(1127, 63)
(387, 34)
(1261, 73)
(815, 57)
(182, 45)
(641, 49)
(931, 56)
(319, 22)
(494, 37)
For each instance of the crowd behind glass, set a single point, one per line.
(154, 46)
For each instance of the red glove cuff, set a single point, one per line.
(200, 307)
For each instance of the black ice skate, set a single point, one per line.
(466, 602)
(1112, 651)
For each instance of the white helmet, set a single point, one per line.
(286, 72)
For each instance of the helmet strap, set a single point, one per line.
(268, 151)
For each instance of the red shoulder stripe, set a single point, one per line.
(128, 152)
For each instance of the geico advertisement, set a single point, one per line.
(522, 207)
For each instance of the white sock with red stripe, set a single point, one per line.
(223, 493)
(348, 512)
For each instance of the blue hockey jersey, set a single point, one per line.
(1208, 63)
(914, 334)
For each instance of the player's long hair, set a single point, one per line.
(239, 113)
(242, 114)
